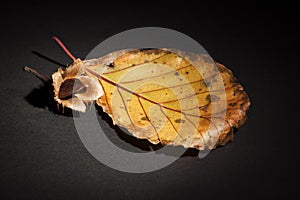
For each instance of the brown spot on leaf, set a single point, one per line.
(179, 120)
(111, 64)
(232, 104)
(204, 108)
(212, 97)
(236, 90)
(145, 119)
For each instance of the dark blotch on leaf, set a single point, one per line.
(179, 120)
(145, 119)
(232, 104)
(111, 64)
(235, 91)
(211, 97)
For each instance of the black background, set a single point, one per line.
(41, 155)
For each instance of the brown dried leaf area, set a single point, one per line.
(170, 98)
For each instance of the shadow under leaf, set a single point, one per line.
(141, 144)
(42, 97)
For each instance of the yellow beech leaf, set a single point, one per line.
(170, 97)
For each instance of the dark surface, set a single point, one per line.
(42, 157)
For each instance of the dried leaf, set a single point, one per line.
(170, 98)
